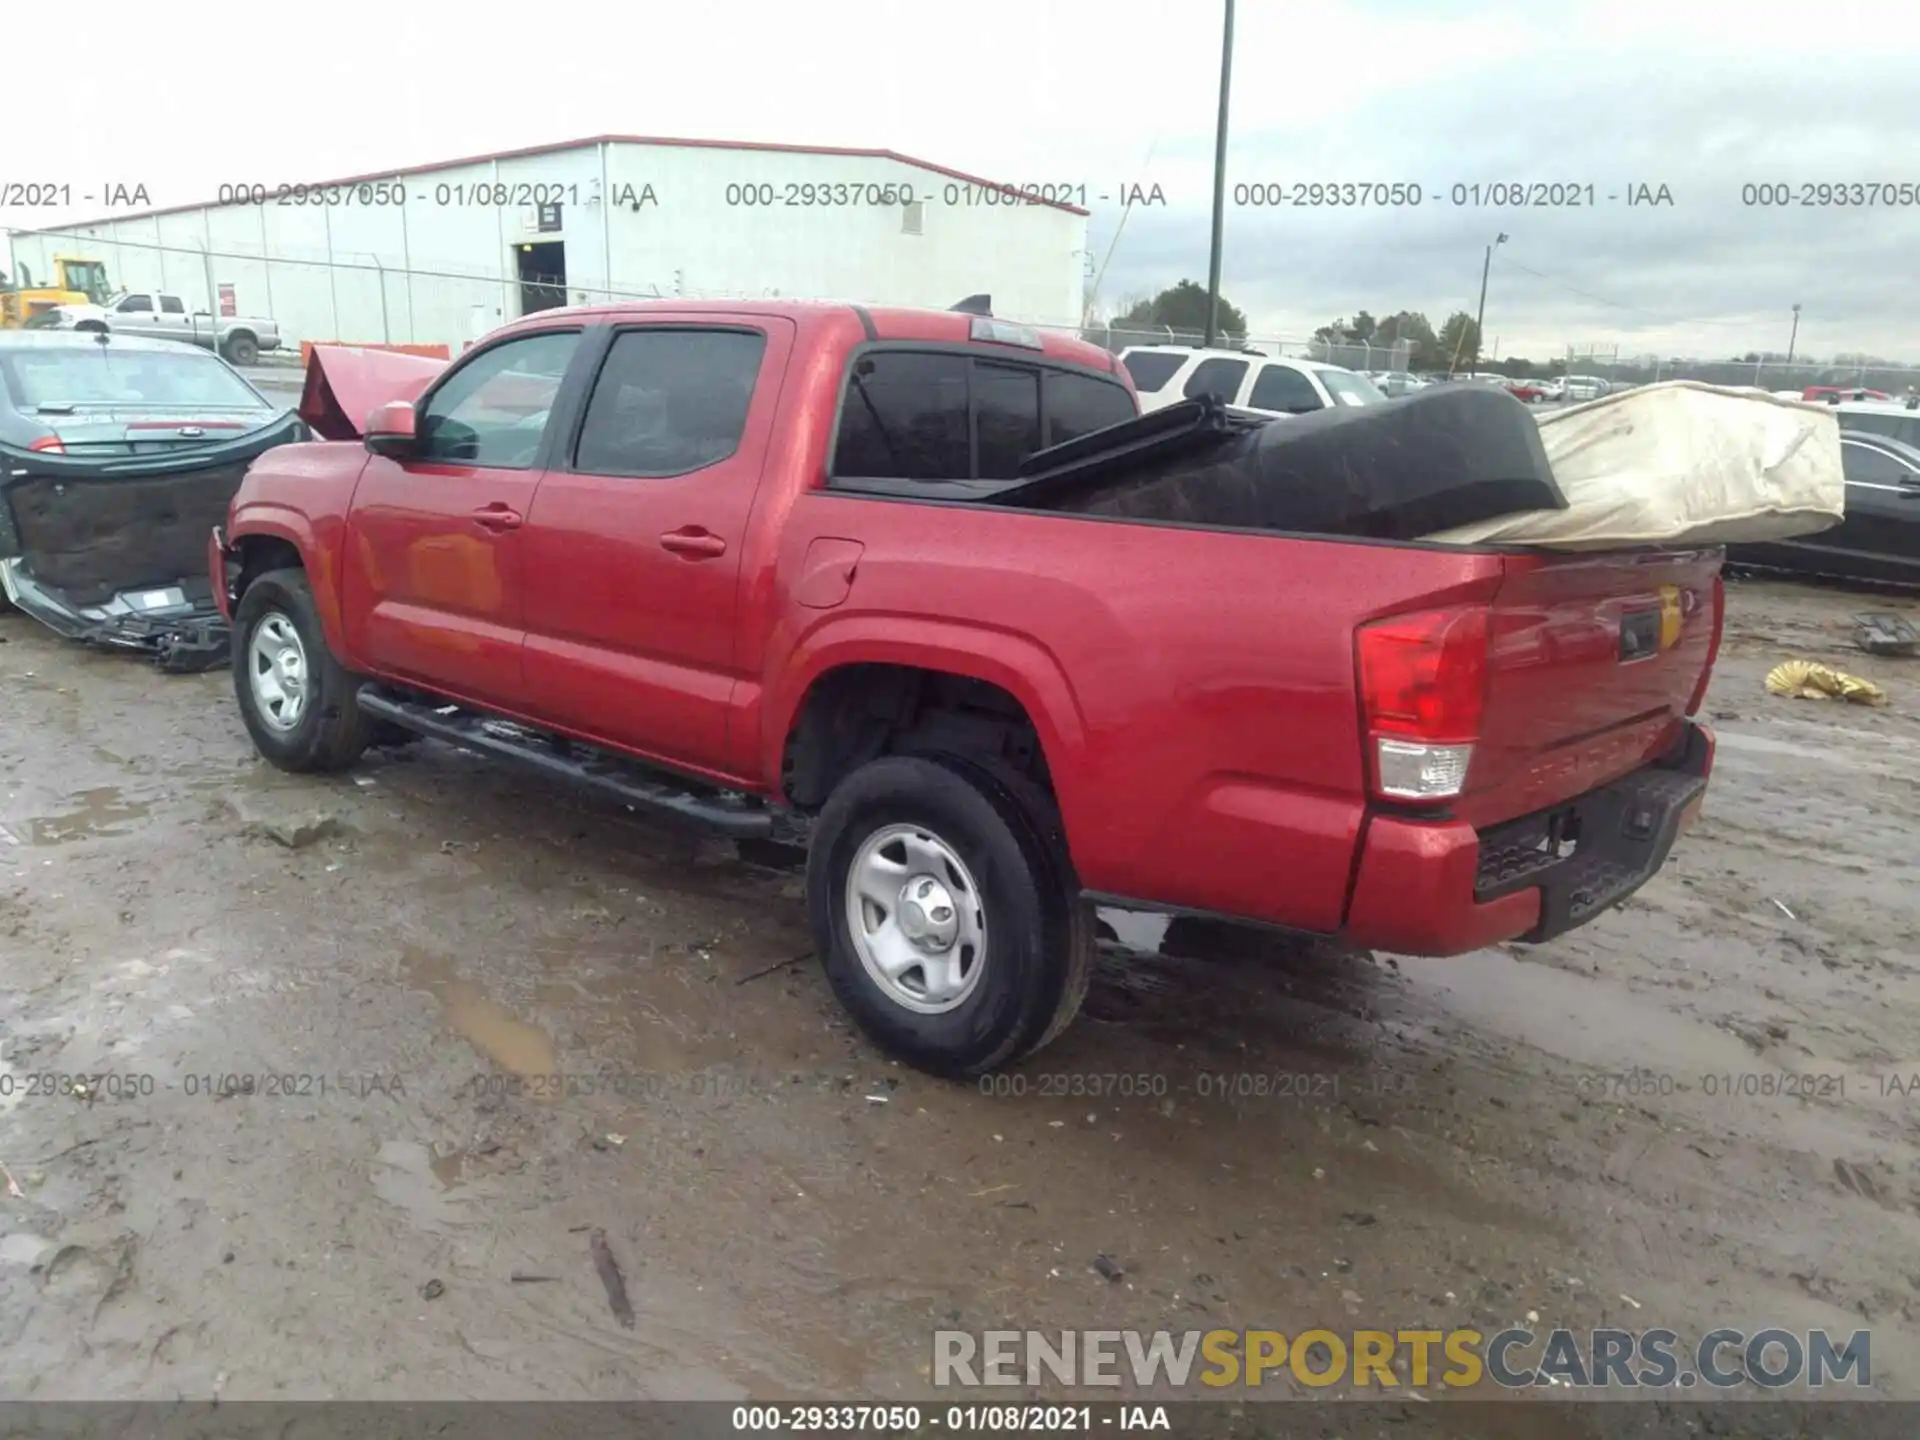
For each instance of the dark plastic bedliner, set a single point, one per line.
(1396, 471)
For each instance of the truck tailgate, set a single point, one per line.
(1594, 660)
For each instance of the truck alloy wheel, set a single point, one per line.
(916, 919)
(298, 703)
(277, 672)
(944, 912)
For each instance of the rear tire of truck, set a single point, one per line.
(946, 915)
(300, 705)
(241, 350)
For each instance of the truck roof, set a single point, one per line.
(881, 322)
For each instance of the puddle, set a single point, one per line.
(1830, 751)
(100, 812)
(405, 1175)
(516, 1046)
(449, 1166)
(1606, 1030)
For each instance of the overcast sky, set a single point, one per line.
(1700, 96)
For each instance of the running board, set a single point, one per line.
(737, 816)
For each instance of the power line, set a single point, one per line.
(1507, 260)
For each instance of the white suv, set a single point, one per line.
(1167, 374)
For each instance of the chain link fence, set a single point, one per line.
(1765, 373)
(361, 299)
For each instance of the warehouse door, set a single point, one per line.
(543, 275)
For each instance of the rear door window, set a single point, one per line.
(943, 417)
(1152, 369)
(669, 401)
(1217, 377)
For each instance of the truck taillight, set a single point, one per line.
(1713, 647)
(1423, 691)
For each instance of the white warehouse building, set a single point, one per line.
(438, 255)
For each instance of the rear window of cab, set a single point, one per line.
(945, 415)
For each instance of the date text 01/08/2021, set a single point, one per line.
(636, 195)
(1464, 195)
(50, 194)
(380, 194)
(198, 1085)
(960, 1419)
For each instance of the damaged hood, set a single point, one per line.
(346, 383)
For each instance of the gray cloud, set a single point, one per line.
(1704, 276)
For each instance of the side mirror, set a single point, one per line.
(390, 429)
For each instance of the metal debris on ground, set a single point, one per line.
(610, 1277)
(1808, 680)
(1882, 632)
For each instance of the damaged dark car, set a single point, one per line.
(117, 455)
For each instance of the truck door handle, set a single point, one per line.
(693, 542)
(498, 516)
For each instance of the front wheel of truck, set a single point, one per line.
(944, 910)
(299, 704)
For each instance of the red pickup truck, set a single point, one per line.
(740, 562)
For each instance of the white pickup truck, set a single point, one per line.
(159, 315)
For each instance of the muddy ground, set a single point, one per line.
(793, 1214)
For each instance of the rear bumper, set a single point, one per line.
(1427, 888)
(176, 625)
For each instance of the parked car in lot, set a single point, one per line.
(1833, 394)
(782, 570)
(1531, 391)
(1395, 383)
(159, 315)
(1879, 540)
(1895, 420)
(1167, 374)
(1583, 387)
(116, 454)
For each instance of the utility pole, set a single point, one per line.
(1795, 336)
(1219, 181)
(1481, 314)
